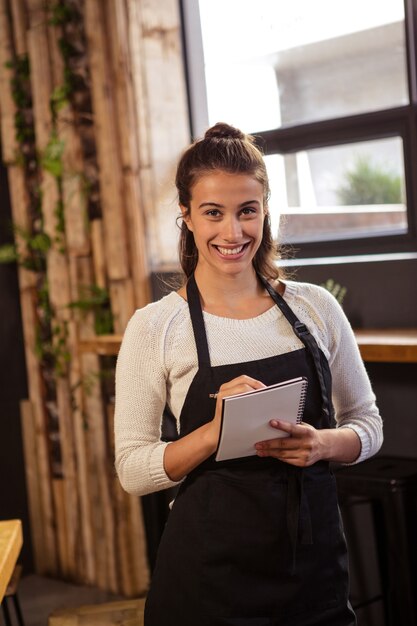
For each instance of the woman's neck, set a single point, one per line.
(236, 296)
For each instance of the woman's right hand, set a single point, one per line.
(241, 384)
(184, 454)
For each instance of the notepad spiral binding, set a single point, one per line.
(303, 398)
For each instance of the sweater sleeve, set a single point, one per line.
(140, 401)
(353, 398)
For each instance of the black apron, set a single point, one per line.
(253, 541)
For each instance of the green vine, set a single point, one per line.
(96, 300)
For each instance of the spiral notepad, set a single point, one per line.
(246, 417)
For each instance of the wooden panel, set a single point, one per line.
(11, 540)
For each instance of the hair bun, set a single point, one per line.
(223, 131)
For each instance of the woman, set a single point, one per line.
(251, 541)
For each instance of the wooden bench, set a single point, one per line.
(122, 613)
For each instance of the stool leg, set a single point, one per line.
(18, 610)
(402, 593)
(352, 507)
(383, 561)
(6, 613)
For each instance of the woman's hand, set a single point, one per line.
(303, 447)
(307, 445)
(184, 454)
(241, 384)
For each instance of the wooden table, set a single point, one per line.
(383, 345)
(11, 540)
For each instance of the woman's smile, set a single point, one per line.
(232, 253)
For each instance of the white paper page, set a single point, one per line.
(246, 417)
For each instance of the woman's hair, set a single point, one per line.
(226, 149)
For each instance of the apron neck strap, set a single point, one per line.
(197, 320)
(306, 337)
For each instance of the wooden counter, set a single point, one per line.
(385, 345)
(388, 346)
(11, 540)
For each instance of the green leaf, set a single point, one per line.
(52, 156)
(8, 253)
(59, 97)
(40, 242)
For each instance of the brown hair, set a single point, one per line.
(227, 149)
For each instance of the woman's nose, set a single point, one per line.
(232, 229)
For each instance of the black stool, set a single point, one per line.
(389, 486)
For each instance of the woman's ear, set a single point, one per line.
(186, 217)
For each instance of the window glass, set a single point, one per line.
(272, 62)
(340, 192)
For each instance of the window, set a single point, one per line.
(329, 88)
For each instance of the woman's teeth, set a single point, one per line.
(227, 251)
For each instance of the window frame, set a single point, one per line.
(381, 124)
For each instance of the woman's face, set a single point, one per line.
(226, 217)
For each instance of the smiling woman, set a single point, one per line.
(226, 218)
(257, 539)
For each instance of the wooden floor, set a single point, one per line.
(39, 596)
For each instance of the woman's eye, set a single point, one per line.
(213, 213)
(248, 210)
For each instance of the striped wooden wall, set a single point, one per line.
(118, 131)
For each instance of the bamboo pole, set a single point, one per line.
(57, 270)
(87, 564)
(99, 263)
(133, 569)
(49, 555)
(104, 525)
(32, 484)
(142, 116)
(108, 155)
(20, 24)
(64, 550)
(117, 26)
(123, 299)
(73, 196)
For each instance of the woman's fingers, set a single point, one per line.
(301, 446)
(246, 383)
(240, 384)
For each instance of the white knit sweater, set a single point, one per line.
(158, 360)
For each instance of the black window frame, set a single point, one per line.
(398, 121)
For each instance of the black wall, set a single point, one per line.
(13, 501)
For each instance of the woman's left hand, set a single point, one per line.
(304, 446)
